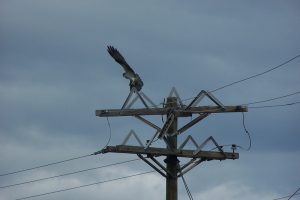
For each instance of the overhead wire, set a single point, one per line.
(256, 75)
(262, 101)
(234, 146)
(66, 174)
(267, 100)
(86, 185)
(277, 105)
(247, 78)
(62, 161)
(272, 99)
(289, 196)
(110, 134)
(247, 132)
(45, 165)
(294, 193)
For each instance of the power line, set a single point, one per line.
(247, 132)
(294, 193)
(87, 185)
(244, 79)
(286, 197)
(256, 75)
(271, 99)
(234, 146)
(289, 196)
(261, 101)
(108, 141)
(62, 161)
(278, 105)
(53, 163)
(76, 172)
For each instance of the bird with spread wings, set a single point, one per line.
(135, 80)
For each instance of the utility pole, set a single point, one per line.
(173, 109)
(171, 160)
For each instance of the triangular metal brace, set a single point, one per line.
(139, 95)
(201, 95)
(205, 142)
(189, 138)
(158, 131)
(151, 141)
(189, 165)
(153, 166)
(192, 123)
(174, 92)
(136, 137)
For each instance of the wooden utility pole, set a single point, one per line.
(171, 160)
(169, 132)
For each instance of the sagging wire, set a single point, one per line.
(66, 174)
(234, 146)
(108, 141)
(247, 132)
(87, 185)
(273, 106)
(247, 78)
(46, 165)
(256, 75)
(294, 193)
(272, 99)
(62, 161)
(109, 126)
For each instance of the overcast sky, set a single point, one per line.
(55, 72)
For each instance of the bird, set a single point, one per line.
(135, 80)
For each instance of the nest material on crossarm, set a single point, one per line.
(135, 80)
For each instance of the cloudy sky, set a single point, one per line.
(55, 72)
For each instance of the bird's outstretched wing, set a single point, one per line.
(119, 59)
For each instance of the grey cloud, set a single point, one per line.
(55, 71)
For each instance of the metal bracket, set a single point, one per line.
(151, 165)
(195, 161)
(148, 122)
(201, 95)
(167, 172)
(189, 165)
(153, 126)
(186, 141)
(139, 95)
(192, 123)
(135, 136)
(205, 142)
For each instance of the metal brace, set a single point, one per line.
(205, 142)
(136, 137)
(186, 141)
(201, 95)
(139, 95)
